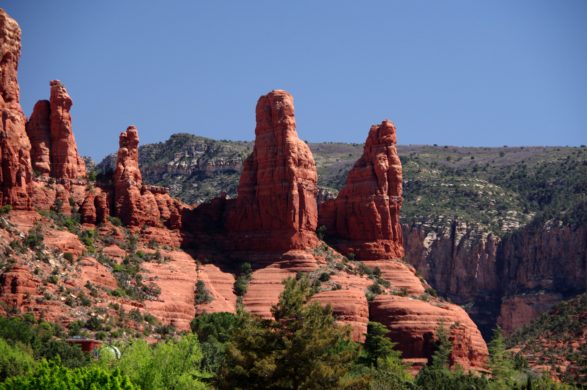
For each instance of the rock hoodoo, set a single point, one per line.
(128, 180)
(276, 204)
(15, 160)
(365, 215)
(54, 151)
(65, 160)
(137, 204)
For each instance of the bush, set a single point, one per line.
(202, 294)
(54, 376)
(241, 283)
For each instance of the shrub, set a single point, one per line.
(202, 294)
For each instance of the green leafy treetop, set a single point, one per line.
(303, 348)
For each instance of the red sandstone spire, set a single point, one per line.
(276, 204)
(15, 161)
(365, 215)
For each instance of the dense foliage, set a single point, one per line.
(302, 347)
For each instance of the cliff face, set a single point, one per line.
(15, 160)
(509, 280)
(276, 203)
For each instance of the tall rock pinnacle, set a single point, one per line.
(365, 215)
(15, 161)
(65, 160)
(127, 177)
(276, 204)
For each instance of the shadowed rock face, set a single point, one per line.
(365, 215)
(15, 170)
(276, 204)
(38, 129)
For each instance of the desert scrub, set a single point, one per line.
(202, 295)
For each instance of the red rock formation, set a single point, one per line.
(65, 160)
(137, 204)
(176, 278)
(128, 180)
(413, 324)
(95, 209)
(38, 129)
(15, 161)
(276, 204)
(365, 215)
(350, 308)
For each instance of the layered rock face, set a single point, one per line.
(508, 281)
(15, 170)
(276, 204)
(413, 325)
(365, 215)
(134, 203)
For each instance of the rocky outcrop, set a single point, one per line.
(364, 218)
(15, 160)
(95, 208)
(413, 324)
(276, 204)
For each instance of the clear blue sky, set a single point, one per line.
(448, 72)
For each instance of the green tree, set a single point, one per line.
(214, 332)
(303, 348)
(377, 344)
(166, 365)
(500, 361)
(15, 360)
(52, 375)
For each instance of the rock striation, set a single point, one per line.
(413, 324)
(365, 214)
(15, 160)
(276, 204)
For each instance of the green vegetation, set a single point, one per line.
(202, 293)
(551, 340)
(241, 283)
(302, 347)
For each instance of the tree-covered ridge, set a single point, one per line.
(557, 340)
(497, 189)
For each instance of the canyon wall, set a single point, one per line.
(506, 280)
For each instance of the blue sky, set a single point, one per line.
(449, 72)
